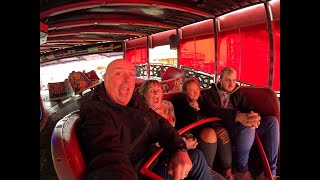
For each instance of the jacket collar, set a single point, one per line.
(100, 94)
(218, 85)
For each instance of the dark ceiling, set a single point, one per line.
(79, 22)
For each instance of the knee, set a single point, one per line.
(208, 135)
(248, 131)
(272, 121)
(246, 136)
(222, 135)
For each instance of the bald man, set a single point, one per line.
(115, 137)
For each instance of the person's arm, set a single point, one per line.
(100, 140)
(169, 137)
(209, 107)
(170, 140)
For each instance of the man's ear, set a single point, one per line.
(138, 89)
(163, 88)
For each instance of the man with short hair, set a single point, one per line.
(224, 100)
(115, 137)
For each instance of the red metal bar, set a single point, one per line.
(145, 168)
(264, 157)
(43, 27)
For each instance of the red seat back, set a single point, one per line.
(172, 73)
(65, 149)
(265, 102)
(80, 82)
(168, 96)
(92, 76)
(263, 99)
(172, 80)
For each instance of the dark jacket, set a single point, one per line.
(211, 104)
(185, 114)
(115, 138)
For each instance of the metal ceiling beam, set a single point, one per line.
(101, 3)
(93, 31)
(95, 22)
(73, 43)
(80, 39)
(48, 46)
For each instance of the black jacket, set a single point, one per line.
(185, 114)
(211, 104)
(115, 138)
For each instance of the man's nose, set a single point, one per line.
(126, 77)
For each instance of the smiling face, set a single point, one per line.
(153, 95)
(120, 81)
(193, 91)
(228, 80)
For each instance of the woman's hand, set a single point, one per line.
(195, 105)
(191, 143)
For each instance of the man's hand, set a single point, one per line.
(251, 120)
(179, 165)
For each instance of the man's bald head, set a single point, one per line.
(119, 81)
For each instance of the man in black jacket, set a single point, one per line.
(115, 137)
(224, 100)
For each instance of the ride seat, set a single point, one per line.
(92, 76)
(65, 150)
(172, 80)
(172, 73)
(80, 82)
(266, 103)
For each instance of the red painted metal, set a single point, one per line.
(252, 15)
(93, 22)
(145, 168)
(137, 55)
(276, 40)
(197, 29)
(134, 43)
(93, 31)
(162, 38)
(43, 27)
(275, 9)
(99, 3)
(68, 38)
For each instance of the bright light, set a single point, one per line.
(60, 72)
(161, 53)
